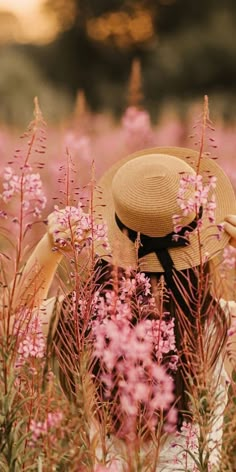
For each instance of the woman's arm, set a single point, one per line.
(37, 274)
(30, 288)
(31, 285)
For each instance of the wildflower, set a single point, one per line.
(32, 341)
(144, 282)
(80, 144)
(85, 230)
(163, 338)
(30, 185)
(131, 354)
(186, 440)
(173, 362)
(42, 428)
(171, 420)
(54, 419)
(192, 195)
(229, 257)
(137, 129)
(38, 429)
(32, 347)
(210, 209)
(176, 222)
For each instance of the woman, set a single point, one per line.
(164, 208)
(47, 261)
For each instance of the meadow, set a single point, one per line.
(99, 400)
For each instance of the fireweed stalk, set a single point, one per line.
(26, 185)
(205, 395)
(23, 194)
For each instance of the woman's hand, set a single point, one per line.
(230, 228)
(62, 225)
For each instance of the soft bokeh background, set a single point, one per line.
(53, 48)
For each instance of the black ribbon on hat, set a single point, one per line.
(160, 246)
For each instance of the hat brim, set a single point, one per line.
(210, 243)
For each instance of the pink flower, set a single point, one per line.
(32, 341)
(79, 144)
(229, 257)
(171, 420)
(42, 428)
(81, 225)
(38, 429)
(54, 419)
(31, 187)
(192, 195)
(210, 209)
(186, 440)
(130, 354)
(137, 129)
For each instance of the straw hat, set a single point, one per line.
(140, 193)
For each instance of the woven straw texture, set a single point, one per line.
(142, 189)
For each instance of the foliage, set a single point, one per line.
(20, 79)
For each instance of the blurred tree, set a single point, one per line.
(188, 49)
(10, 28)
(20, 81)
(168, 16)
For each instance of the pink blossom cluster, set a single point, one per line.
(73, 223)
(42, 428)
(79, 144)
(130, 351)
(32, 341)
(186, 440)
(29, 185)
(186, 446)
(137, 129)
(193, 184)
(229, 257)
(163, 338)
(171, 420)
(131, 284)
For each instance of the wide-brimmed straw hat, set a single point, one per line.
(139, 193)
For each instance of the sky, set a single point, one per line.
(35, 25)
(21, 7)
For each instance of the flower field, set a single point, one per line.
(97, 393)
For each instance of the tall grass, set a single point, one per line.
(99, 393)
